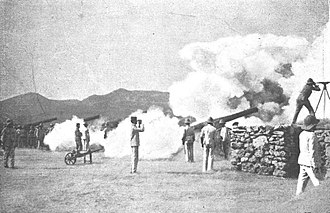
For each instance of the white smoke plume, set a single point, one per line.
(236, 73)
(160, 140)
(62, 137)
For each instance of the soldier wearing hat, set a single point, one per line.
(136, 128)
(309, 158)
(78, 136)
(8, 137)
(86, 137)
(40, 135)
(302, 99)
(225, 138)
(31, 137)
(207, 137)
(188, 140)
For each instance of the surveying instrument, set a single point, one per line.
(325, 93)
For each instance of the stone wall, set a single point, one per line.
(267, 150)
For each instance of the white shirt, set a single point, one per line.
(309, 150)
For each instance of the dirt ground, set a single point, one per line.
(42, 182)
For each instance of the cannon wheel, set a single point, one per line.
(70, 159)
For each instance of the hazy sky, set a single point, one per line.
(74, 49)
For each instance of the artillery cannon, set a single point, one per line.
(43, 121)
(71, 157)
(227, 118)
(91, 118)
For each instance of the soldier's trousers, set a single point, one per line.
(9, 153)
(79, 145)
(305, 174)
(226, 149)
(134, 158)
(208, 156)
(299, 106)
(189, 148)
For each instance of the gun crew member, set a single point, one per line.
(302, 99)
(136, 128)
(208, 133)
(188, 140)
(8, 138)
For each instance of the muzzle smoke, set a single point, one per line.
(236, 73)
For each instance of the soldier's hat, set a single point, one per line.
(187, 121)
(133, 119)
(86, 124)
(209, 120)
(310, 81)
(309, 122)
(77, 124)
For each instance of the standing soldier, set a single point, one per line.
(302, 99)
(225, 138)
(208, 143)
(40, 135)
(309, 158)
(86, 137)
(78, 135)
(188, 140)
(135, 142)
(8, 138)
(18, 136)
(32, 137)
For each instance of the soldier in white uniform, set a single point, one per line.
(225, 138)
(188, 140)
(208, 134)
(309, 158)
(136, 128)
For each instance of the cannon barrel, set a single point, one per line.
(43, 121)
(229, 117)
(91, 118)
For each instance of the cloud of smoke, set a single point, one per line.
(62, 137)
(160, 140)
(236, 73)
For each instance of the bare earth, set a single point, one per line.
(42, 182)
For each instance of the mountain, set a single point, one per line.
(33, 107)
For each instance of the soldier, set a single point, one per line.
(208, 143)
(18, 136)
(86, 137)
(309, 158)
(188, 140)
(78, 135)
(225, 138)
(302, 99)
(135, 142)
(40, 135)
(31, 138)
(8, 138)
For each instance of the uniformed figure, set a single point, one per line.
(31, 138)
(78, 136)
(302, 99)
(309, 158)
(40, 135)
(86, 137)
(136, 128)
(225, 138)
(8, 138)
(188, 140)
(207, 136)
(18, 136)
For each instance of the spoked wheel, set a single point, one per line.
(70, 159)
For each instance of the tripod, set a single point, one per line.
(323, 92)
